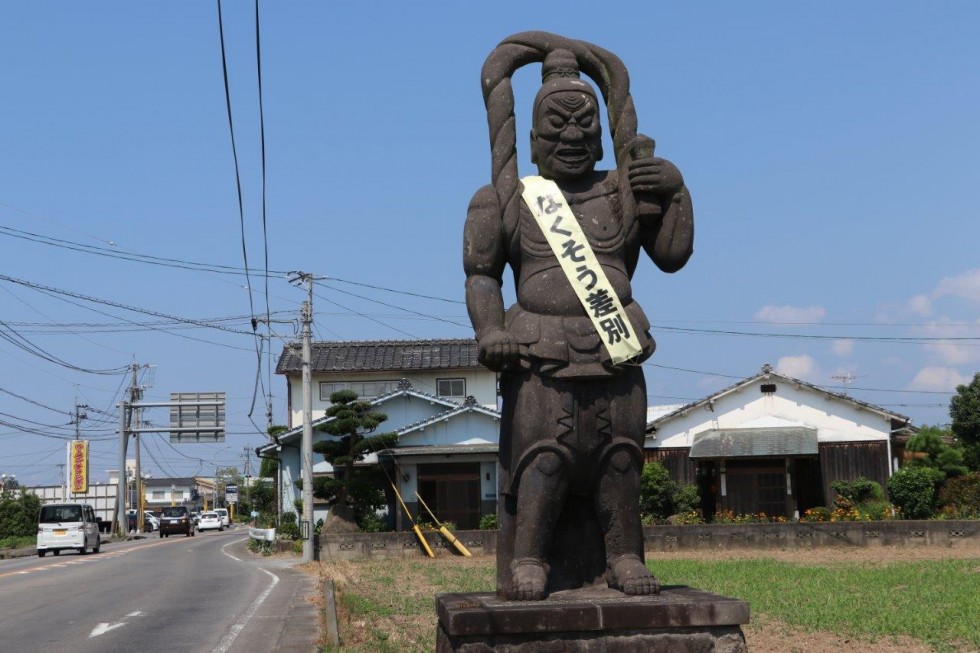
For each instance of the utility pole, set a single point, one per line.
(306, 450)
(135, 394)
(125, 423)
(64, 486)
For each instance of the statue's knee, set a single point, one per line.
(548, 463)
(621, 462)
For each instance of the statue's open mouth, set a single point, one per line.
(572, 155)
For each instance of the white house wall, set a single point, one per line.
(458, 428)
(836, 420)
(289, 468)
(481, 384)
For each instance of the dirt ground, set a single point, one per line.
(766, 635)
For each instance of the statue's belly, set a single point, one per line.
(545, 290)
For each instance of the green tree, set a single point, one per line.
(661, 497)
(930, 441)
(18, 514)
(351, 490)
(964, 410)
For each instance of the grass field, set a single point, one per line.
(850, 602)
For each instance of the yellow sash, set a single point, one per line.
(581, 267)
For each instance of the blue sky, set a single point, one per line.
(830, 148)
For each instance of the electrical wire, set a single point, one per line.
(19, 341)
(234, 153)
(31, 401)
(400, 308)
(106, 302)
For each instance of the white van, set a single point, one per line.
(223, 513)
(63, 526)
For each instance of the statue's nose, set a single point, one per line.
(572, 132)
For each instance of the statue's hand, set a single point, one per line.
(656, 176)
(498, 350)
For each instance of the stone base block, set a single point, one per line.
(679, 619)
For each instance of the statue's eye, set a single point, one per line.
(556, 121)
(585, 121)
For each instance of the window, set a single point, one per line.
(158, 495)
(363, 389)
(455, 388)
(56, 514)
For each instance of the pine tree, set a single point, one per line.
(352, 492)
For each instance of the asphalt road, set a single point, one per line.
(203, 593)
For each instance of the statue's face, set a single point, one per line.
(566, 141)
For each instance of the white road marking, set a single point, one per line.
(103, 628)
(234, 631)
(229, 544)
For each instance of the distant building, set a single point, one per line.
(182, 491)
(437, 397)
(774, 444)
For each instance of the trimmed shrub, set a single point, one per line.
(686, 499)
(488, 522)
(960, 496)
(913, 490)
(859, 491)
(288, 527)
(373, 523)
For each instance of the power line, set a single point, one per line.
(31, 401)
(234, 153)
(106, 302)
(19, 341)
(916, 340)
(400, 308)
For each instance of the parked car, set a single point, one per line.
(195, 517)
(151, 519)
(63, 526)
(210, 520)
(223, 513)
(175, 520)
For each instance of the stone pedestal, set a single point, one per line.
(679, 619)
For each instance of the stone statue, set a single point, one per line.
(569, 351)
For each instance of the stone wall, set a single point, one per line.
(932, 533)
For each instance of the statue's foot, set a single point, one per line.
(529, 577)
(629, 575)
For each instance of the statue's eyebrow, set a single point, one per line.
(554, 107)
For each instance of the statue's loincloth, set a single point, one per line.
(583, 421)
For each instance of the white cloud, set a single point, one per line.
(937, 378)
(799, 367)
(952, 352)
(843, 348)
(964, 286)
(790, 314)
(919, 305)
